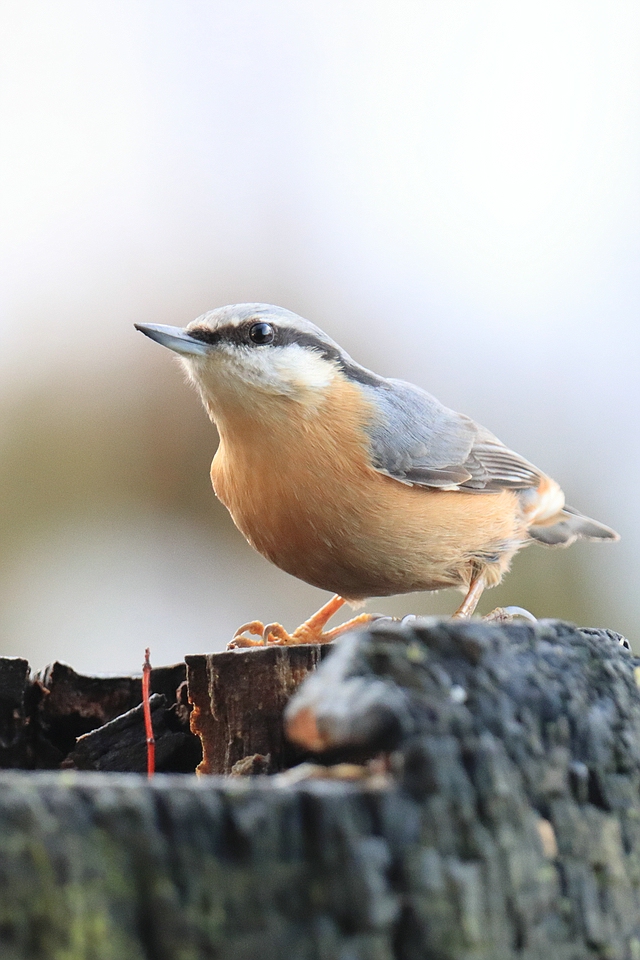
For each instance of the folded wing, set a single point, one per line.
(417, 440)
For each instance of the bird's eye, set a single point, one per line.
(261, 333)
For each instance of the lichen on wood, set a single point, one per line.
(507, 829)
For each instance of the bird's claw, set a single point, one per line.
(508, 614)
(275, 635)
(255, 629)
(259, 635)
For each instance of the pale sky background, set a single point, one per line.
(451, 189)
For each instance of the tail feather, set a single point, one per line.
(568, 526)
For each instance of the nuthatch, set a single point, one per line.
(358, 484)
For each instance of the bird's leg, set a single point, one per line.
(470, 602)
(311, 631)
(499, 615)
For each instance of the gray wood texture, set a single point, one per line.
(510, 829)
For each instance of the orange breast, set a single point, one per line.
(299, 485)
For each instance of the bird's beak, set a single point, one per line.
(175, 338)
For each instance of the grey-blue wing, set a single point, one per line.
(417, 440)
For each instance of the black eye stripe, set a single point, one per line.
(233, 333)
(229, 333)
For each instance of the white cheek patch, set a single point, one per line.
(232, 373)
(283, 370)
(300, 367)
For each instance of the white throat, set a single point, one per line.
(231, 379)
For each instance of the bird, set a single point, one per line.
(356, 483)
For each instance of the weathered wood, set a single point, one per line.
(238, 700)
(42, 718)
(510, 830)
(74, 704)
(14, 690)
(120, 745)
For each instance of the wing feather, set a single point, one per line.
(417, 440)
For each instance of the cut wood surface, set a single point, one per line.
(508, 827)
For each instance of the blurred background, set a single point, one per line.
(450, 189)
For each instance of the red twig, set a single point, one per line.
(146, 706)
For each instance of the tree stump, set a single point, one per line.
(507, 828)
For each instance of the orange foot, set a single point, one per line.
(311, 631)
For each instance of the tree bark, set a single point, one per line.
(238, 702)
(508, 827)
(14, 684)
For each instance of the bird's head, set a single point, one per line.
(250, 352)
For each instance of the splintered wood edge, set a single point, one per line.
(286, 666)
